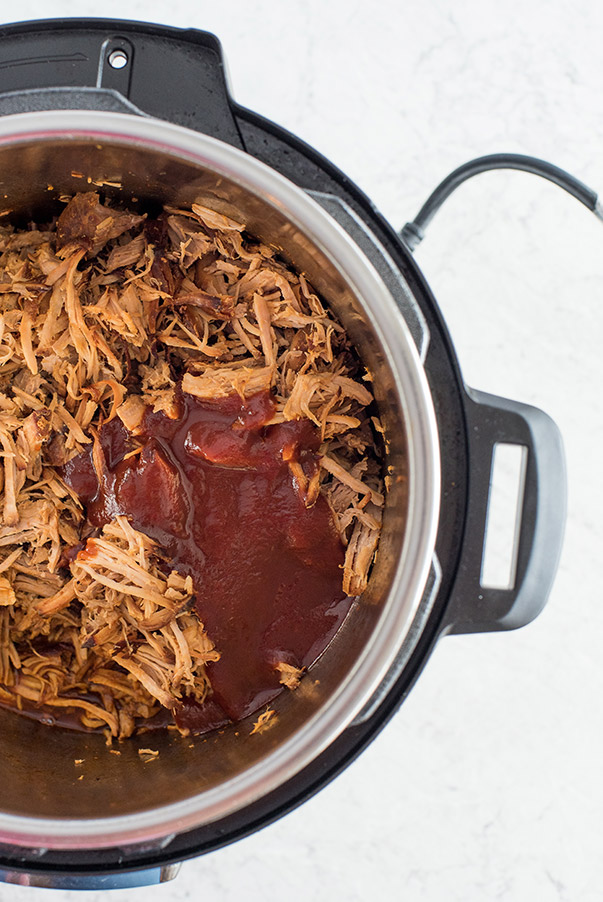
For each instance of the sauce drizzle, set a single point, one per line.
(214, 488)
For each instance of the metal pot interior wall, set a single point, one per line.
(56, 774)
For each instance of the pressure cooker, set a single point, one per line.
(142, 113)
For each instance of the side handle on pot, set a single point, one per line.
(492, 421)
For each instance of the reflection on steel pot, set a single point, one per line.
(112, 125)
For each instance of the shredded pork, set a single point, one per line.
(104, 313)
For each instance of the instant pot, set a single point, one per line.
(142, 114)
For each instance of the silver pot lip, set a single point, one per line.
(284, 762)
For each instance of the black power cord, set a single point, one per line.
(414, 232)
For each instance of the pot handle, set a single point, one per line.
(474, 607)
(67, 881)
(170, 73)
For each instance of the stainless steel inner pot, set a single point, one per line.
(47, 799)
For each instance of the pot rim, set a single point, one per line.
(410, 578)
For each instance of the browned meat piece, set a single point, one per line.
(218, 307)
(88, 223)
(126, 254)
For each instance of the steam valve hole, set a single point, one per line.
(117, 59)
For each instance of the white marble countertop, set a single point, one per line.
(488, 783)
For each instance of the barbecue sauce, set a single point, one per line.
(214, 488)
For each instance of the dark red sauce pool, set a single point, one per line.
(214, 489)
